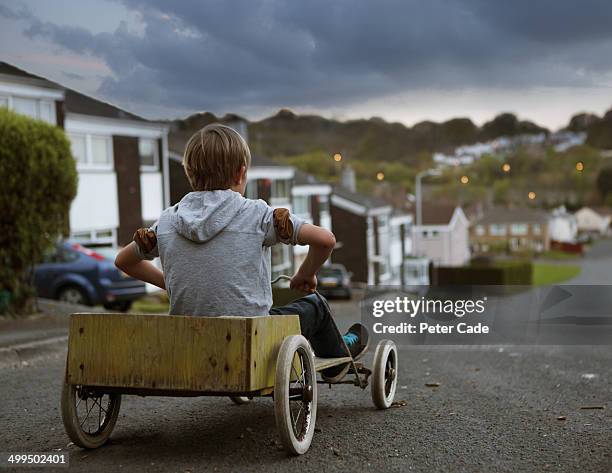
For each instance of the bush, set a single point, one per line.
(39, 180)
(499, 273)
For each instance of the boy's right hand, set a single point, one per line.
(303, 283)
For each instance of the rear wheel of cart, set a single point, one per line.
(89, 416)
(240, 400)
(295, 394)
(384, 374)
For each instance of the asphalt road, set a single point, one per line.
(496, 409)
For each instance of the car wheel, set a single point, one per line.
(73, 295)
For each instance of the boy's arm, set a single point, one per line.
(130, 262)
(321, 242)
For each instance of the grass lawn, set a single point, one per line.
(559, 255)
(149, 305)
(545, 273)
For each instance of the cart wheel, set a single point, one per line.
(295, 394)
(384, 374)
(89, 417)
(240, 400)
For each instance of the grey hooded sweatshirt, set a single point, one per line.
(215, 253)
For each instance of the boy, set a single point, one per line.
(215, 245)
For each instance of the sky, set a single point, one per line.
(402, 60)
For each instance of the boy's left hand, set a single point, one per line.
(303, 283)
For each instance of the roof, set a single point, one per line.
(368, 201)
(303, 179)
(10, 70)
(437, 214)
(518, 215)
(77, 102)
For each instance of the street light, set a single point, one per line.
(579, 166)
(464, 179)
(337, 157)
(380, 176)
(417, 187)
(506, 167)
(531, 195)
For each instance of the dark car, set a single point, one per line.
(73, 273)
(334, 281)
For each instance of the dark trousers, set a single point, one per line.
(317, 325)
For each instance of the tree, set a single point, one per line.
(604, 181)
(39, 180)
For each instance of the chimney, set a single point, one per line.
(347, 178)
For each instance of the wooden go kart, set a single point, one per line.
(110, 355)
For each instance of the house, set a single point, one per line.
(443, 236)
(122, 159)
(511, 230)
(562, 226)
(362, 226)
(593, 221)
(406, 270)
(310, 201)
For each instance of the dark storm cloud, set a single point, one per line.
(213, 55)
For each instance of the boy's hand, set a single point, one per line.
(303, 283)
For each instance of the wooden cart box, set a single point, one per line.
(176, 353)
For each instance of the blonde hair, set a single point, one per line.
(213, 157)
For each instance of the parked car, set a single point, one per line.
(334, 281)
(72, 273)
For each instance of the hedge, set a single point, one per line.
(505, 273)
(38, 178)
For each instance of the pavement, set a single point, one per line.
(497, 409)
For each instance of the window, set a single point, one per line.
(251, 190)
(537, 228)
(497, 229)
(518, 229)
(280, 189)
(149, 153)
(100, 152)
(301, 205)
(92, 151)
(323, 203)
(480, 230)
(31, 107)
(79, 148)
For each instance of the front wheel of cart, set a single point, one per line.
(384, 374)
(89, 416)
(295, 394)
(240, 400)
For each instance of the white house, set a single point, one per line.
(122, 159)
(443, 236)
(310, 201)
(593, 221)
(562, 226)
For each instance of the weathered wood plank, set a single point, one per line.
(218, 354)
(322, 363)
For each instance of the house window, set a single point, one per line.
(519, 229)
(323, 203)
(92, 151)
(25, 106)
(149, 154)
(34, 108)
(251, 190)
(280, 189)
(480, 230)
(537, 229)
(497, 229)
(301, 205)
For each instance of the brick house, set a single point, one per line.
(511, 230)
(122, 159)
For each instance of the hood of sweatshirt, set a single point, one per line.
(200, 216)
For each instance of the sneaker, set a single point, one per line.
(357, 339)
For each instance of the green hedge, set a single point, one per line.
(499, 273)
(39, 180)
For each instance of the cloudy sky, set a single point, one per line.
(402, 60)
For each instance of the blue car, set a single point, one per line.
(72, 273)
